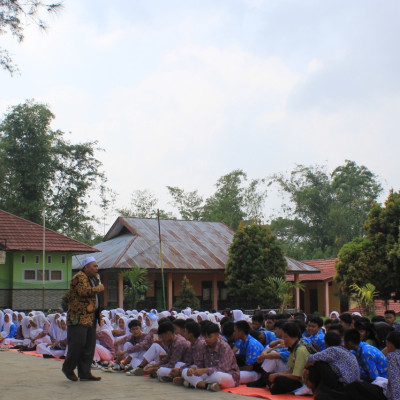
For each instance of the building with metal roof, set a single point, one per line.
(197, 249)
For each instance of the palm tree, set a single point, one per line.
(366, 296)
(283, 290)
(136, 286)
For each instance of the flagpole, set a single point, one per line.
(44, 258)
(161, 259)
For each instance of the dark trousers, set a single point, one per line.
(363, 391)
(327, 384)
(282, 385)
(81, 347)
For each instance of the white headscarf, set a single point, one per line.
(26, 331)
(334, 315)
(238, 315)
(153, 323)
(7, 325)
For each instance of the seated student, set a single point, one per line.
(104, 350)
(159, 360)
(393, 365)
(179, 326)
(315, 333)
(372, 361)
(367, 332)
(257, 321)
(218, 368)
(390, 318)
(382, 329)
(346, 321)
(291, 379)
(249, 349)
(192, 334)
(327, 372)
(227, 333)
(41, 329)
(9, 329)
(270, 322)
(57, 347)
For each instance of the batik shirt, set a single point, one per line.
(178, 350)
(372, 362)
(343, 363)
(393, 370)
(318, 339)
(251, 348)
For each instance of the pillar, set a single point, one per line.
(105, 283)
(297, 295)
(326, 283)
(170, 293)
(215, 293)
(120, 291)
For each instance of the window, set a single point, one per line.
(49, 259)
(29, 274)
(206, 287)
(63, 259)
(39, 275)
(23, 259)
(222, 291)
(56, 275)
(37, 259)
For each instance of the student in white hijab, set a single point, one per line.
(150, 323)
(41, 329)
(104, 350)
(25, 332)
(238, 315)
(57, 348)
(9, 328)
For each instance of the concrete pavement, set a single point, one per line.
(24, 377)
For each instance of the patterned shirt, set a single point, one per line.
(372, 362)
(343, 363)
(318, 339)
(269, 337)
(220, 359)
(393, 370)
(178, 350)
(396, 326)
(251, 348)
(143, 342)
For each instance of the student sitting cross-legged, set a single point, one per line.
(217, 367)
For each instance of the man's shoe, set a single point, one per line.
(138, 371)
(164, 379)
(178, 380)
(91, 378)
(71, 376)
(213, 387)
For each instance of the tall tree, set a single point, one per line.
(254, 255)
(189, 204)
(325, 210)
(374, 258)
(187, 296)
(15, 15)
(41, 171)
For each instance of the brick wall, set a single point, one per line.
(23, 299)
(5, 298)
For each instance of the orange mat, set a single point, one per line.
(263, 393)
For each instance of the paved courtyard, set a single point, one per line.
(26, 377)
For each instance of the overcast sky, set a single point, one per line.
(180, 93)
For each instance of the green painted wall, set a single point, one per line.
(6, 272)
(19, 267)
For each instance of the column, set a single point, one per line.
(120, 291)
(105, 283)
(297, 296)
(326, 283)
(170, 291)
(215, 292)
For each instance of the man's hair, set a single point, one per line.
(353, 336)
(300, 316)
(280, 323)
(394, 338)
(211, 328)
(292, 329)
(332, 339)
(203, 324)
(165, 327)
(270, 316)
(179, 323)
(390, 312)
(346, 318)
(193, 328)
(378, 318)
(224, 320)
(316, 320)
(134, 323)
(258, 317)
(338, 328)
(243, 326)
(227, 328)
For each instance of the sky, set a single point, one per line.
(179, 93)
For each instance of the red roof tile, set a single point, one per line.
(24, 235)
(326, 266)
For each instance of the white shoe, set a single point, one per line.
(214, 387)
(303, 391)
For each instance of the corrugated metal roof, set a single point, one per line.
(24, 235)
(295, 266)
(196, 245)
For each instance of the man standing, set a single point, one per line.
(83, 311)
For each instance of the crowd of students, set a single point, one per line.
(346, 357)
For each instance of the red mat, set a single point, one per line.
(263, 393)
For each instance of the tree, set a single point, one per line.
(143, 205)
(254, 255)
(325, 210)
(233, 202)
(189, 204)
(375, 257)
(283, 289)
(187, 296)
(136, 285)
(14, 16)
(42, 172)
(366, 296)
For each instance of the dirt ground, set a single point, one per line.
(24, 377)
